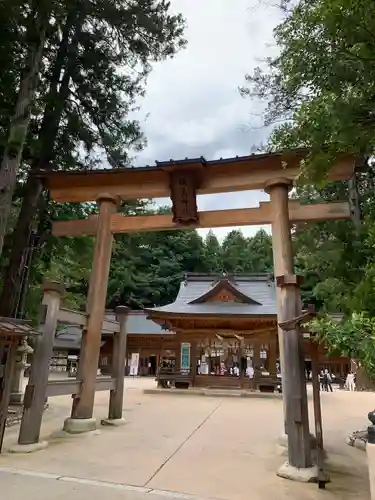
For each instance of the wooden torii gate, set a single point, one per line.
(182, 181)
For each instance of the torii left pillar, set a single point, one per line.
(299, 465)
(83, 405)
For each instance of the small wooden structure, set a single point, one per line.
(183, 180)
(12, 331)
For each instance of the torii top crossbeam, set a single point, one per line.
(217, 176)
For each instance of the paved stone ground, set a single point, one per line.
(213, 448)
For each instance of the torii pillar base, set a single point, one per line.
(113, 422)
(28, 448)
(79, 425)
(305, 475)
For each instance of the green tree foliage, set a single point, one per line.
(36, 27)
(320, 94)
(147, 268)
(260, 253)
(247, 255)
(234, 252)
(322, 82)
(212, 253)
(354, 338)
(328, 254)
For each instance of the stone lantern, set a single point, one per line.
(23, 350)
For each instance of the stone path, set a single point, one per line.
(211, 448)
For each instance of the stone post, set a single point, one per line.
(370, 450)
(118, 369)
(35, 394)
(299, 465)
(82, 410)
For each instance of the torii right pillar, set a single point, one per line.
(299, 465)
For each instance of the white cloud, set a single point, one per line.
(193, 107)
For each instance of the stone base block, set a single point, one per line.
(28, 448)
(114, 422)
(79, 425)
(307, 475)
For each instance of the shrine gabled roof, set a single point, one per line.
(257, 292)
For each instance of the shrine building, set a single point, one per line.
(220, 332)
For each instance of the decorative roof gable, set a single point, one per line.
(224, 290)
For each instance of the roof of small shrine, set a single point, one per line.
(248, 295)
(15, 328)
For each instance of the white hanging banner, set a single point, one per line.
(134, 363)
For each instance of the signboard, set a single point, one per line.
(134, 363)
(183, 195)
(185, 356)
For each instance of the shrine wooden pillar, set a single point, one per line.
(256, 355)
(193, 359)
(241, 357)
(272, 353)
(118, 367)
(288, 306)
(179, 340)
(91, 339)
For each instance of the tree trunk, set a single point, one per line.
(19, 126)
(58, 94)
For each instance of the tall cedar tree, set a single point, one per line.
(36, 20)
(99, 59)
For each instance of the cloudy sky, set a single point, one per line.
(193, 107)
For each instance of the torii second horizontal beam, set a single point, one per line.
(217, 218)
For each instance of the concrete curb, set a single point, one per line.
(215, 393)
